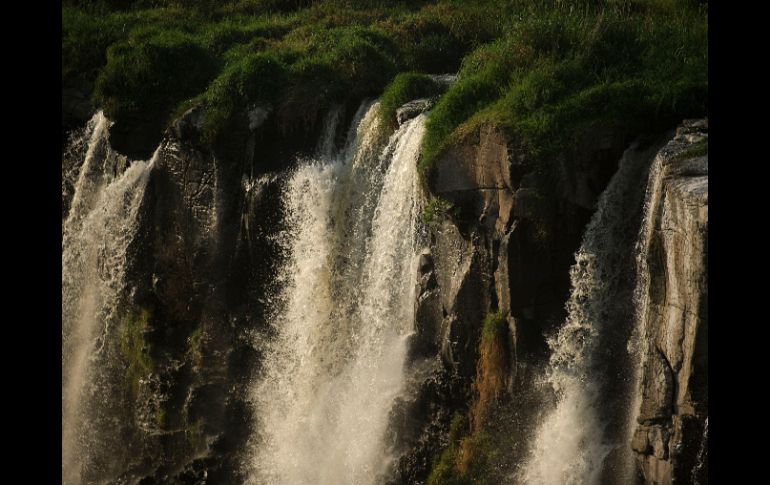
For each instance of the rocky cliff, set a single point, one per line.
(502, 239)
(502, 233)
(671, 440)
(200, 267)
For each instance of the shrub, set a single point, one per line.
(255, 79)
(142, 79)
(85, 39)
(435, 210)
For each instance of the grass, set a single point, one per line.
(544, 71)
(149, 60)
(563, 66)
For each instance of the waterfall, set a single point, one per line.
(592, 369)
(335, 363)
(97, 232)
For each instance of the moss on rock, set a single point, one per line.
(135, 349)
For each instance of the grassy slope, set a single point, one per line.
(150, 63)
(633, 65)
(541, 69)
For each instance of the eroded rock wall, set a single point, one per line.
(504, 243)
(671, 438)
(201, 268)
(204, 263)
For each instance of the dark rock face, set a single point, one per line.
(184, 271)
(671, 440)
(508, 248)
(204, 263)
(76, 109)
(76, 106)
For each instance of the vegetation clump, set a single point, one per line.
(194, 351)
(476, 455)
(443, 471)
(141, 77)
(560, 67)
(492, 368)
(435, 210)
(153, 59)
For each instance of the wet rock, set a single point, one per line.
(425, 263)
(700, 126)
(476, 176)
(411, 110)
(674, 404)
(189, 125)
(446, 79)
(658, 390)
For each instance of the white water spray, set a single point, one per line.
(573, 442)
(97, 232)
(336, 364)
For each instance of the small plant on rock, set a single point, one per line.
(435, 210)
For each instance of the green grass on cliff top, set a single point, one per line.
(149, 60)
(634, 66)
(542, 70)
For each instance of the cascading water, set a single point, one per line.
(585, 439)
(97, 232)
(336, 362)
